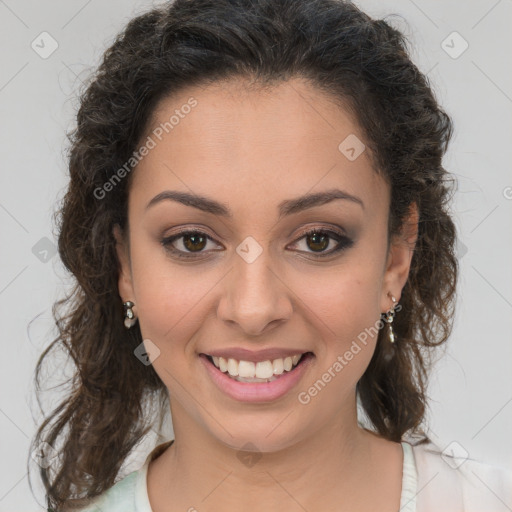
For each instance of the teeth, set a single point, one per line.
(223, 364)
(278, 366)
(260, 370)
(232, 367)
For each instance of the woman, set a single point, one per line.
(257, 220)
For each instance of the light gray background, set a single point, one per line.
(471, 390)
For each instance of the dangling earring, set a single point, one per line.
(390, 314)
(129, 315)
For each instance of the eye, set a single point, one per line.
(190, 242)
(319, 240)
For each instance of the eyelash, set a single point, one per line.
(343, 242)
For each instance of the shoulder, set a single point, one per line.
(130, 493)
(455, 482)
(118, 498)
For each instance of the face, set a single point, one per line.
(258, 269)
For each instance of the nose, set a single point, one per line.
(255, 298)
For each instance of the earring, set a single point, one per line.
(129, 315)
(390, 314)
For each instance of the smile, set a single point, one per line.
(261, 371)
(260, 381)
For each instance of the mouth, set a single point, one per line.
(260, 371)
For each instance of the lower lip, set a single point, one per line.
(257, 391)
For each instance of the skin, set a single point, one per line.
(251, 149)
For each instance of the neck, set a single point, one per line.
(201, 471)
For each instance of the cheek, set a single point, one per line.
(170, 298)
(345, 300)
(343, 305)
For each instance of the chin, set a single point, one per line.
(258, 436)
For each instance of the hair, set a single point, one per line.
(361, 62)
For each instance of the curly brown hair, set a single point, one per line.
(361, 62)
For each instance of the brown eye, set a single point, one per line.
(187, 244)
(319, 241)
(194, 242)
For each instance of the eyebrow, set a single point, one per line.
(287, 207)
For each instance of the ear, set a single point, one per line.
(125, 274)
(401, 250)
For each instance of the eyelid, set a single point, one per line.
(190, 229)
(323, 228)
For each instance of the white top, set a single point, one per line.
(431, 482)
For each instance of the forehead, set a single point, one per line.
(229, 137)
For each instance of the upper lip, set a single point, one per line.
(255, 355)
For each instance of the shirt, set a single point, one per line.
(432, 481)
